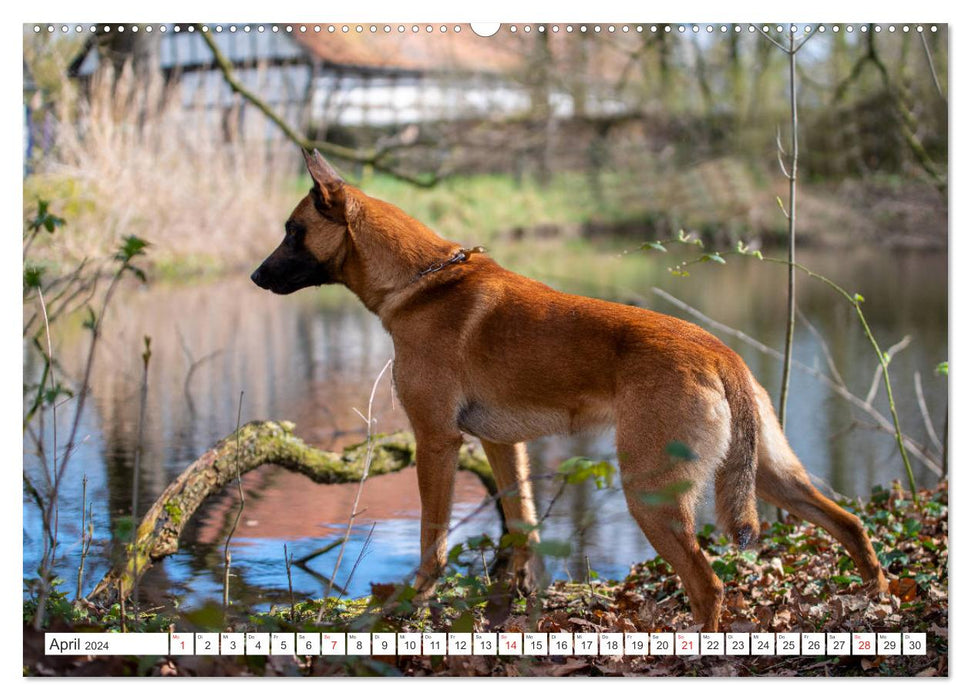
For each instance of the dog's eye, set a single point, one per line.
(294, 233)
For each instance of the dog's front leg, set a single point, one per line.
(437, 460)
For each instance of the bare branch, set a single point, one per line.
(227, 555)
(928, 425)
(782, 165)
(824, 345)
(805, 39)
(878, 372)
(369, 419)
(779, 46)
(360, 557)
(930, 62)
(778, 140)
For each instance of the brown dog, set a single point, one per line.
(484, 351)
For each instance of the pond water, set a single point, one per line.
(312, 357)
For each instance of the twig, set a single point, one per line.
(791, 216)
(875, 384)
(765, 34)
(790, 213)
(302, 561)
(288, 561)
(143, 401)
(928, 424)
(360, 558)
(227, 557)
(944, 442)
(930, 63)
(88, 369)
(50, 541)
(825, 347)
(87, 532)
(556, 497)
(360, 487)
(194, 364)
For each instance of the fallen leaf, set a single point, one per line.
(904, 588)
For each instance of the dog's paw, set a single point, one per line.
(526, 574)
(425, 588)
(876, 587)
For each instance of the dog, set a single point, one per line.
(481, 350)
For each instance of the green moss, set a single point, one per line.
(174, 512)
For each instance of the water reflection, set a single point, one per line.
(312, 357)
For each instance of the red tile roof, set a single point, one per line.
(462, 51)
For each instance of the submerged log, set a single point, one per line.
(260, 442)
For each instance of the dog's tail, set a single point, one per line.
(735, 477)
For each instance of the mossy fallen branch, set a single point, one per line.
(260, 442)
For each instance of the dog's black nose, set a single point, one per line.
(257, 278)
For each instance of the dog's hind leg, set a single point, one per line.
(510, 466)
(782, 480)
(670, 530)
(668, 450)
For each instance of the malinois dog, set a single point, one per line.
(481, 350)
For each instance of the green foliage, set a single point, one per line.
(742, 249)
(123, 528)
(33, 277)
(210, 616)
(680, 451)
(464, 623)
(941, 369)
(558, 549)
(725, 570)
(576, 470)
(689, 239)
(90, 321)
(130, 248)
(667, 495)
(44, 219)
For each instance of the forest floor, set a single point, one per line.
(795, 580)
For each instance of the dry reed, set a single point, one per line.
(207, 186)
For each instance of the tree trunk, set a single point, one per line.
(259, 443)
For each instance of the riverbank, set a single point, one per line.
(195, 233)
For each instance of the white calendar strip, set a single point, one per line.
(105, 644)
(489, 644)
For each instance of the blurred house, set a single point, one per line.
(322, 81)
(516, 102)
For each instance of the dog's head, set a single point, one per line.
(316, 241)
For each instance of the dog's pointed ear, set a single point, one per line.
(328, 191)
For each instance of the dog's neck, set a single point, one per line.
(389, 251)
